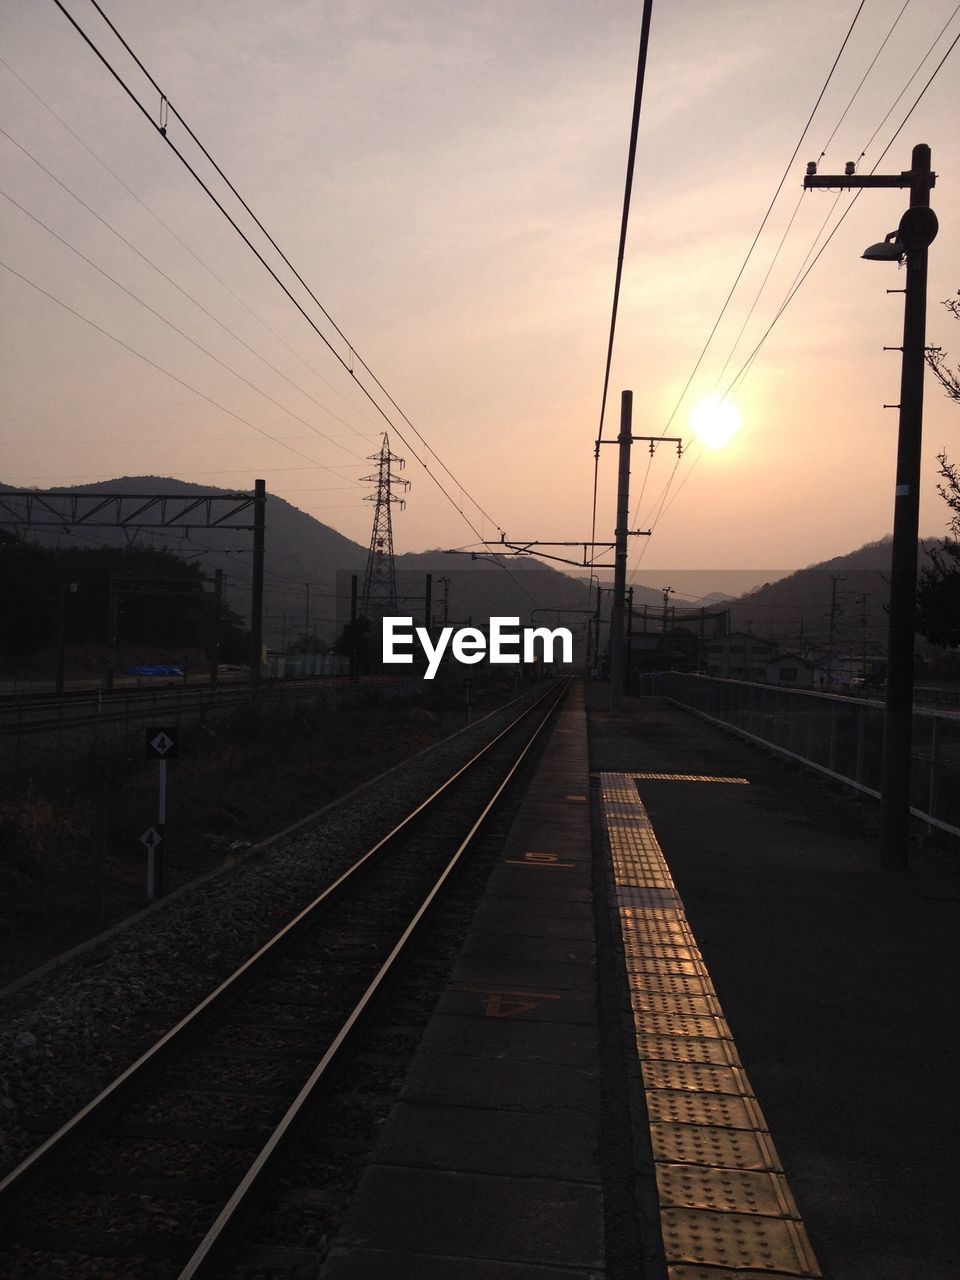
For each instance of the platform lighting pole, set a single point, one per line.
(917, 230)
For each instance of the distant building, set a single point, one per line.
(792, 672)
(678, 650)
(739, 656)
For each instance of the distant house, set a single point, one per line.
(739, 656)
(791, 672)
(677, 650)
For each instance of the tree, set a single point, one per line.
(949, 379)
(938, 588)
(357, 640)
(162, 601)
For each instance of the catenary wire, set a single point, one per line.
(347, 364)
(624, 220)
(169, 323)
(200, 262)
(180, 381)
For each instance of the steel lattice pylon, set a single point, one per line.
(379, 596)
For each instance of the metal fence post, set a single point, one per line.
(832, 746)
(861, 739)
(932, 778)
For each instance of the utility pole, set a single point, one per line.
(428, 603)
(353, 626)
(621, 534)
(834, 579)
(215, 639)
(256, 603)
(596, 630)
(667, 592)
(65, 587)
(113, 632)
(916, 232)
(862, 598)
(620, 550)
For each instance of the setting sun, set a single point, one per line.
(715, 421)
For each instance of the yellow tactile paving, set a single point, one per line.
(687, 777)
(725, 1207)
(690, 1186)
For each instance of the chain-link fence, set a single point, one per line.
(839, 736)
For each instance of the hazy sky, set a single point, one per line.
(448, 180)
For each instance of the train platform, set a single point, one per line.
(694, 1032)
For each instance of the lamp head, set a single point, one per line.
(890, 249)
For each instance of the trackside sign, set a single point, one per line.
(507, 642)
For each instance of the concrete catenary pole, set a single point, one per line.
(624, 440)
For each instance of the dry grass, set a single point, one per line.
(239, 778)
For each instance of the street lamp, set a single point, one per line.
(908, 243)
(917, 229)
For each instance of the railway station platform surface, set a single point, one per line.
(817, 1026)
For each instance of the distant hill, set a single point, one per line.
(796, 609)
(301, 550)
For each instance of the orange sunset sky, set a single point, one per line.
(448, 179)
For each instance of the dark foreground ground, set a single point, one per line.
(839, 980)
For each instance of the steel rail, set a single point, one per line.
(136, 706)
(256, 1182)
(33, 1172)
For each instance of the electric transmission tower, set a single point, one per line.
(379, 596)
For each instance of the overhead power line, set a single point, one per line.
(624, 221)
(352, 358)
(200, 262)
(792, 292)
(153, 364)
(863, 78)
(805, 269)
(764, 220)
(893, 105)
(169, 323)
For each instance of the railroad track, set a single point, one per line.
(157, 1176)
(41, 714)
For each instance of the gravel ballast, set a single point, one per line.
(71, 1030)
